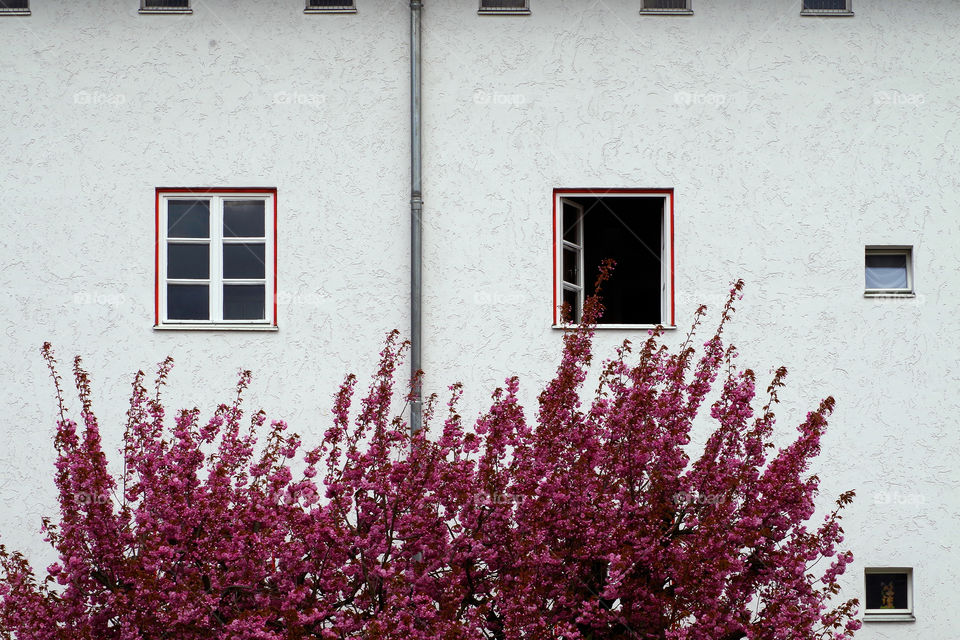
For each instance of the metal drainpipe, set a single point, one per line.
(416, 217)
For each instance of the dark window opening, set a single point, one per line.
(14, 5)
(628, 230)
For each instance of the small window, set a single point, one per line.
(330, 6)
(505, 6)
(668, 7)
(165, 6)
(827, 8)
(216, 264)
(15, 7)
(888, 271)
(632, 227)
(889, 595)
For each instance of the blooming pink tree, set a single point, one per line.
(592, 521)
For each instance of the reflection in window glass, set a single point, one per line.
(188, 219)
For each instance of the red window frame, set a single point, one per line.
(668, 193)
(207, 190)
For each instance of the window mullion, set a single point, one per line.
(216, 259)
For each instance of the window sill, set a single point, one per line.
(215, 327)
(161, 11)
(666, 12)
(632, 327)
(503, 12)
(14, 12)
(889, 294)
(827, 14)
(888, 617)
(331, 10)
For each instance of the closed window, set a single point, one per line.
(504, 6)
(159, 6)
(634, 228)
(216, 265)
(888, 270)
(827, 8)
(667, 6)
(330, 6)
(15, 7)
(889, 595)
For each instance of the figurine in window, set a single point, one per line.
(886, 595)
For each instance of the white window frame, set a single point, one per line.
(147, 9)
(890, 615)
(667, 274)
(890, 250)
(347, 6)
(687, 10)
(513, 11)
(819, 13)
(215, 279)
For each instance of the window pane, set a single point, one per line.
(243, 219)
(244, 261)
(188, 219)
(571, 266)
(243, 301)
(571, 220)
(886, 271)
(887, 591)
(188, 302)
(572, 299)
(191, 261)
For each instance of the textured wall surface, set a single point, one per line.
(790, 142)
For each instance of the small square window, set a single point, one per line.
(165, 6)
(15, 7)
(888, 271)
(633, 227)
(827, 8)
(330, 6)
(505, 6)
(667, 7)
(216, 259)
(889, 595)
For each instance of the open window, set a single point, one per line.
(216, 259)
(633, 227)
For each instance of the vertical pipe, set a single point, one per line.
(416, 219)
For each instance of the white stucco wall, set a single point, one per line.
(790, 142)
